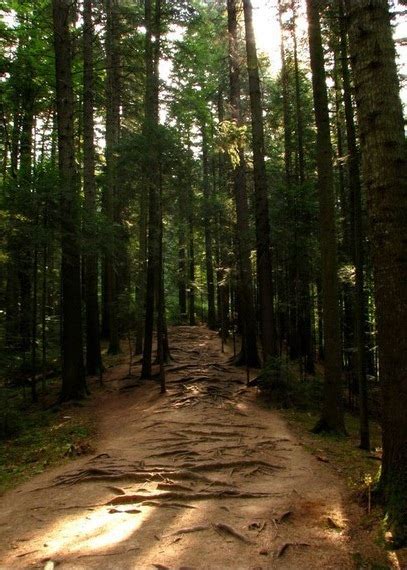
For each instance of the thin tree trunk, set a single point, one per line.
(112, 140)
(332, 418)
(191, 257)
(249, 354)
(93, 355)
(24, 251)
(152, 174)
(264, 262)
(141, 275)
(305, 277)
(210, 285)
(358, 236)
(34, 395)
(182, 286)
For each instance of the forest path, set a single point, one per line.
(203, 477)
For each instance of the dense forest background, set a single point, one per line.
(158, 169)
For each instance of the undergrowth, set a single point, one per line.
(33, 438)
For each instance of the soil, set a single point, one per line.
(202, 477)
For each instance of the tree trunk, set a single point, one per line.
(24, 226)
(152, 174)
(141, 273)
(305, 277)
(93, 355)
(207, 219)
(248, 355)
(264, 262)
(111, 198)
(191, 258)
(358, 238)
(384, 162)
(73, 374)
(182, 285)
(332, 418)
(12, 336)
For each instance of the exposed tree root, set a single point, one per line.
(190, 529)
(152, 473)
(182, 367)
(170, 505)
(173, 487)
(164, 424)
(215, 466)
(283, 517)
(283, 548)
(230, 530)
(187, 379)
(102, 554)
(212, 433)
(174, 495)
(173, 453)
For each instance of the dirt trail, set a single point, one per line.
(200, 478)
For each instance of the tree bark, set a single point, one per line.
(384, 163)
(93, 355)
(111, 198)
(249, 354)
(358, 237)
(73, 374)
(191, 258)
(152, 174)
(332, 417)
(207, 219)
(264, 261)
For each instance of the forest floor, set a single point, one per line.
(203, 477)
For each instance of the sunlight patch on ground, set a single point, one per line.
(94, 531)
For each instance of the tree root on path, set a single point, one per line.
(230, 530)
(283, 548)
(187, 379)
(188, 530)
(200, 496)
(212, 433)
(153, 473)
(114, 553)
(173, 487)
(164, 424)
(169, 505)
(174, 453)
(182, 367)
(215, 466)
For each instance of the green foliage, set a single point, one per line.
(231, 138)
(32, 438)
(281, 385)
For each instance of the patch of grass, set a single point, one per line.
(38, 438)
